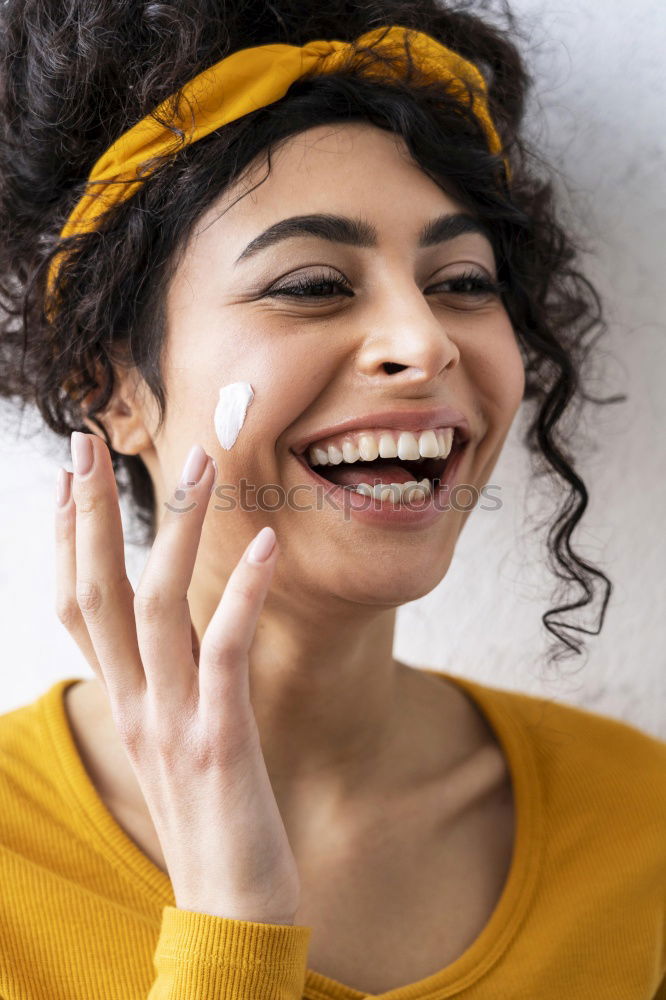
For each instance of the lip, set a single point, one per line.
(408, 420)
(398, 515)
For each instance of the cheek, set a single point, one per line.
(495, 366)
(208, 353)
(513, 375)
(286, 375)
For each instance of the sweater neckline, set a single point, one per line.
(475, 961)
(494, 704)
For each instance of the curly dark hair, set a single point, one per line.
(75, 76)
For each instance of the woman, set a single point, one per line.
(253, 798)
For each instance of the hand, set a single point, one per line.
(188, 728)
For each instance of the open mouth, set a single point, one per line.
(389, 476)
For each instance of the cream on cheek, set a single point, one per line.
(230, 412)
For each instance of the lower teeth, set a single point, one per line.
(395, 492)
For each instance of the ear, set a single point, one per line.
(130, 415)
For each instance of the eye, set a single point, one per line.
(474, 285)
(312, 285)
(470, 284)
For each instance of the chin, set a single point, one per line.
(392, 585)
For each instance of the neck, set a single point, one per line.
(325, 690)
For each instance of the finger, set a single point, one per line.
(67, 608)
(103, 591)
(225, 646)
(164, 627)
(195, 644)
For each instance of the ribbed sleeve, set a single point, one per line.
(202, 957)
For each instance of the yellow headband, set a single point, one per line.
(250, 79)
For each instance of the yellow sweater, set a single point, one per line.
(85, 915)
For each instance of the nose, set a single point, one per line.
(407, 342)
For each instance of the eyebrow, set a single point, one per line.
(358, 233)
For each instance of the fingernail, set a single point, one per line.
(63, 490)
(195, 463)
(82, 453)
(262, 546)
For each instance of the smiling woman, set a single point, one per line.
(253, 798)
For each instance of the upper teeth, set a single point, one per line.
(366, 446)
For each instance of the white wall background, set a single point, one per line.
(598, 113)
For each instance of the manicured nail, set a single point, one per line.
(262, 546)
(195, 463)
(82, 453)
(63, 484)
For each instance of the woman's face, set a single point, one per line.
(318, 361)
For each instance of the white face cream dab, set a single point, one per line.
(230, 411)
